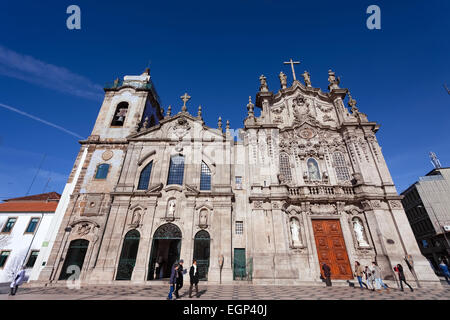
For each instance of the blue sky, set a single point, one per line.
(216, 51)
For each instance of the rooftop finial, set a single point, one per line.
(219, 124)
(185, 99)
(228, 125)
(291, 62)
(169, 111)
(250, 106)
(199, 113)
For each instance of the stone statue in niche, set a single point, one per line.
(203, 218)
(171, 209)
(313, 169)
(295, 232)
(359, 232)
(136, 217)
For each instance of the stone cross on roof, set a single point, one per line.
(292, 67)
(185, 99)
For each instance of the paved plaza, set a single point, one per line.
(226, 292)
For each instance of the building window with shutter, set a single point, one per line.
(176, 170)
(340, 167)
(144, 178)
(205, 177)
(32, 225)
(7, 228)
(285, 167)
(4, 255)
(239, 227)
(102, 171)
(32, 259)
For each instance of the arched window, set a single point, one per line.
(102, 171)
(285, 167)
(205, 177)
(128, 256)
(144, 178)
(340, 167)
(120, 114)
(176, 170)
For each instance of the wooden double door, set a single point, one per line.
(331, 248)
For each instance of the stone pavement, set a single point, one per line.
(227, 292)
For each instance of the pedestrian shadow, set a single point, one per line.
(201, 292)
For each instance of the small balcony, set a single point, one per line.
(318, 191)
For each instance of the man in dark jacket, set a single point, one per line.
(401, 276)
(327, 273)
(173, 280)
(193, 275)
(179, 285)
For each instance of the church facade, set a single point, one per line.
(303, 183)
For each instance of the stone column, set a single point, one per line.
(109, 254)
(283, 266)
(221, 242)
(143, 255)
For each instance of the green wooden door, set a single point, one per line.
(239, 272)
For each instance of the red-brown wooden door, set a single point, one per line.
(331, 248)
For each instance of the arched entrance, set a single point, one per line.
(166, 248)
(201, 253)
(74, 257)
(128, 255)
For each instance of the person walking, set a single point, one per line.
(401, 276)
(179, 284)
(378, 277)
(173, 280)
(19, 278)
(359, 272)
(445, 272)
(327, 273)
(369, 278)
(193, 275)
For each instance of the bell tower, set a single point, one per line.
(129, 104)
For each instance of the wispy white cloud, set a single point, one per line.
(40, 120)
(29, 69)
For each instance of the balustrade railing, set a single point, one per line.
(320, 190)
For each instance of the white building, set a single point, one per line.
(24, 222)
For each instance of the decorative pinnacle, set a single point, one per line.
(219, 123)
(185, 99)
(169, 111)
(199, 114)
(250, 106)
(228, 125)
